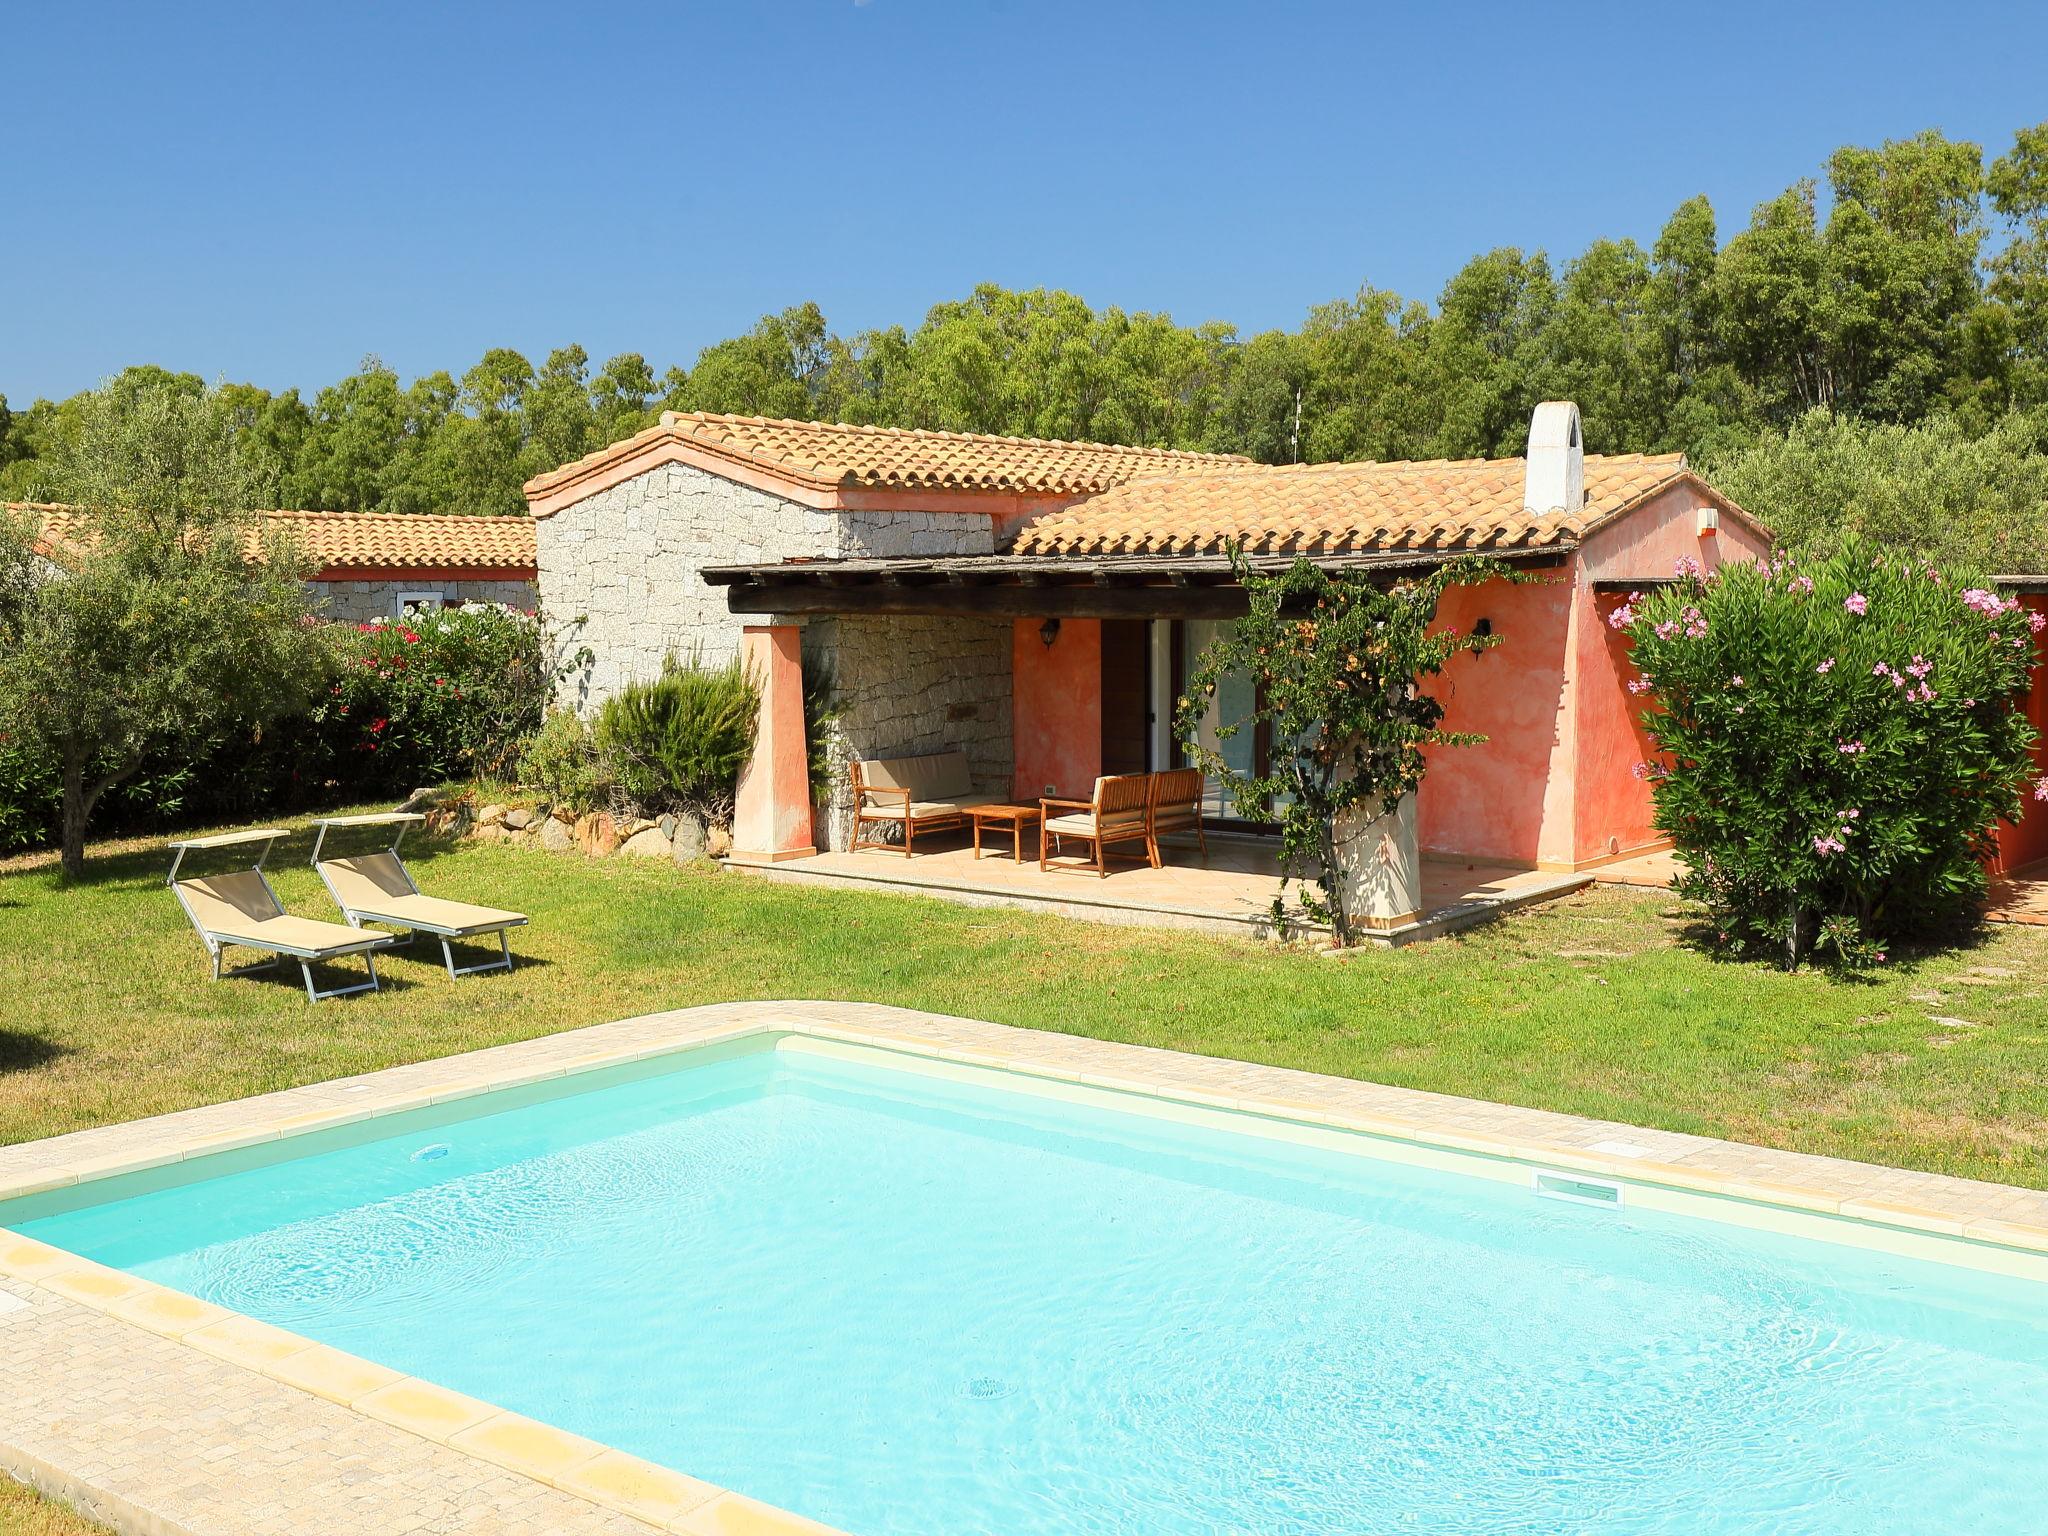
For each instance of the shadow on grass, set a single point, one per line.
(1696, 931)
(23, 1052)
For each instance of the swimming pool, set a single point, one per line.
(905, 1302)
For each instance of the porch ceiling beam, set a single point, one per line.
(1001, 602)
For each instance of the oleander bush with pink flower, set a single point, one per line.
(1836, 741)
(450, 695)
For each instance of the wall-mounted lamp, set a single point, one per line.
(1049, 631)
(1483, 628)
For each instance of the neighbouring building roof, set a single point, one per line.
(829, 457)
(1447, 504)
(342, 543)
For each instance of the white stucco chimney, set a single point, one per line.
(1556, 477)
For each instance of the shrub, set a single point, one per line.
(28, 795)
(437, 696)
(1839, 737)
(679, 741)
(1334, 659)
(561, 762)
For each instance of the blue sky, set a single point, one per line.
(270, 192)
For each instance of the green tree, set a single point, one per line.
(163, 631)
(2018, 184)
(1335, 660)
(1929, 490)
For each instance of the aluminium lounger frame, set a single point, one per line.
(217, 942)
(404, 821)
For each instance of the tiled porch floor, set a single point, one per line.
(1231, 889)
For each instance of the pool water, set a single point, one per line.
(900, 1304)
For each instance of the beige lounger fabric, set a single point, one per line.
(240, 909)
(374, 886)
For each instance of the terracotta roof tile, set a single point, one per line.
(1473, 504)
(836, 455)
(358, 540)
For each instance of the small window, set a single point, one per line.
(419, 602)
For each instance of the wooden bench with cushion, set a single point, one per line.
(1176, 804)
(1119, 811)
(927, 793)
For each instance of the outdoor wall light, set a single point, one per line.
(1049, 631)
(1483, 628)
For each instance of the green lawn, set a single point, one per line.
(24, 1512)
(1589, 1005)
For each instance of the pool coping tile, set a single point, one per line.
(1958, 1216)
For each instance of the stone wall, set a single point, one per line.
(626, 562)
(357, 602)
(909, 685)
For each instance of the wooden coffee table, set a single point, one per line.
(1015, 817)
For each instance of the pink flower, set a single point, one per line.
(1800, 584)
(1848, 748)
(1735, 681)
(1856, 603)
(1685, 565)
(2041, 789)
(1919, 666)
(1826, 667)
(2037, 620)
(1983, 601)
(1829, 845)
(1640, 685)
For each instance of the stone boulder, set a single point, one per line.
(718, 842)
(687, 838)
(519, 818)
(556, 837)
(491, 816)
(598, 835)
(647, 843)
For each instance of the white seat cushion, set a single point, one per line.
(1084, 825)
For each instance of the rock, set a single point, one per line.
(687, 838)
(635, 826)
(597, 834)
(564, 815)
(647, 843)
(718, 842)
(490, 816)
(494, 832)
(519, 818)
(556, 837)
(668, 826)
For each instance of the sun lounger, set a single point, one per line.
(240, 908)
(378, 888)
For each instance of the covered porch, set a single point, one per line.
(1046, 674)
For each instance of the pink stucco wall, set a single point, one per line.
(1057, 708)
(1487, 801)
(1554, 782)
(1611, 808)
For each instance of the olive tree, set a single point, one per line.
(162, 617)
(1336, 659)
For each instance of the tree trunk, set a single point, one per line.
(79, 799)
(77, 807)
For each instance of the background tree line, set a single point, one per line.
(1889, 358)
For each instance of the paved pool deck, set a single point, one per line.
(162, 1414)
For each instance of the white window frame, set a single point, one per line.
(428, 602)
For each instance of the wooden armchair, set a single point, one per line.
(1176, 804)
(1118, 812)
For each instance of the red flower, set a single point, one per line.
(409, 637)
(378, 724)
